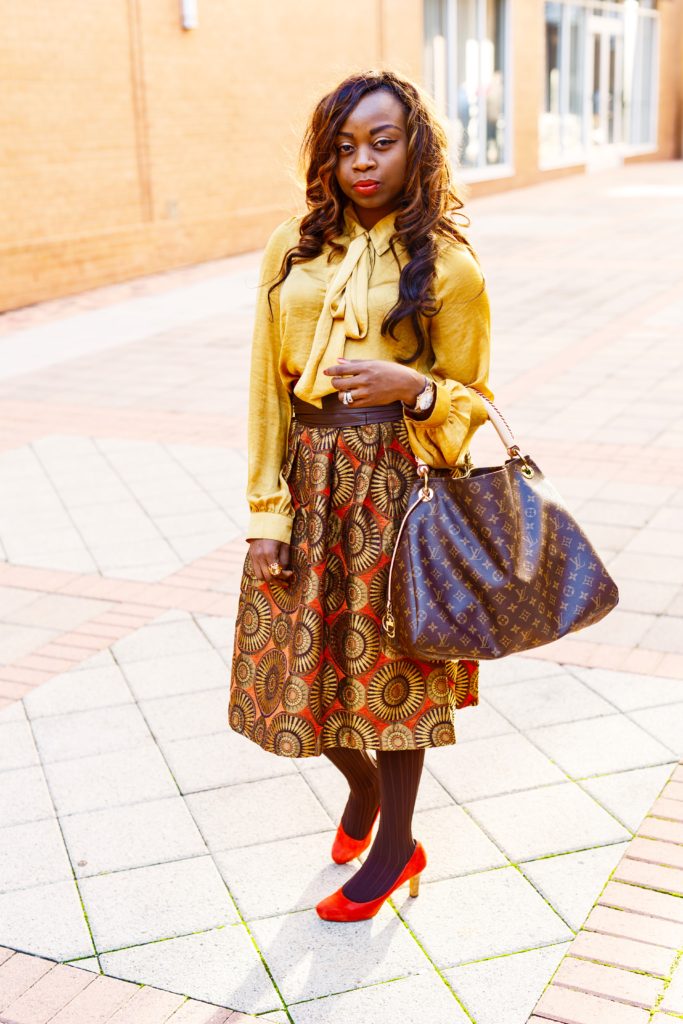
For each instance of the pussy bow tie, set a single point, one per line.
(344, 315)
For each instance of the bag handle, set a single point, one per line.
(501, 425)
(504, 432)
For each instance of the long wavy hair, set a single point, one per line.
(426, 208)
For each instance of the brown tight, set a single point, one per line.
(399, 773)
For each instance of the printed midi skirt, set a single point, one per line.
(311, 666)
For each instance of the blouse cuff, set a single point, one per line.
(440, 409)
(270, 526)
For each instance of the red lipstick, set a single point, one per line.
(366, 186)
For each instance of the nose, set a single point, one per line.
(364, 159)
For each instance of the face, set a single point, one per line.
(372, 155)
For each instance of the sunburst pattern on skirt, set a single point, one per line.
(311, 666)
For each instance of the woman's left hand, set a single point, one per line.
(375, 381)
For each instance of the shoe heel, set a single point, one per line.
(415, 884)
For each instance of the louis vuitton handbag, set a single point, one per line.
(490, 562)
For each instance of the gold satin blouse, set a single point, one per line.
(324, 310)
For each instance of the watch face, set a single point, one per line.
(425, 397)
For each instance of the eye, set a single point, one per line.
(344, 147)
(389, 142)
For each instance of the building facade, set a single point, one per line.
(143, 135)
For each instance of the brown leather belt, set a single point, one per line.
(334, 412)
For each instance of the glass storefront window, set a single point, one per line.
(562, 128)
(600, 78)
(464, 69)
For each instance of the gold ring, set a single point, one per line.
(274, 568)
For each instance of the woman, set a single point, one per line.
(372, 317)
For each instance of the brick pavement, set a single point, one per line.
(123, 524)
(626, 963)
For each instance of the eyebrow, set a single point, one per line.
(373, 131)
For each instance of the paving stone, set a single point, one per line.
(186, 715)
(479, 723)
(596, 746)
(17, 749)
(116, 838)
(346, 955)
(219, 966)
(643, 901)
(410, 1000)
(540, 822)
(505, 989)
(274, 878)
(108, 780)
(59, 611)
(18, 973)
(630, 690)
(13, 712)
(501, 764)
(456, 844)
(129, 907)
(221, 759)
(175, 674)
(571, 882)
(218, 628)
(673, 791)
(286, 807)
(547, 701)
(40, 1003)
(87, 963)
(25, 912)
(568, 1007)
(149, 1006)
(160, 640)
(96, 1003)
(79, 690)
(31, 854)
(651, 876)
(665, 723)
(610, 921)
(669, 810)
(24, 796)
(611, 982)
(517, 668)
(629, 795)
(18, 641)
(86, 733)
(658, 828)
(655, 852)
(452, 917)
(633, 955)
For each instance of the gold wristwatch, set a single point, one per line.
(424, 399)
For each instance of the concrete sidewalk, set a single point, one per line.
(127, 845)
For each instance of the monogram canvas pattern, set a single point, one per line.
(493, 564)
(311, 665)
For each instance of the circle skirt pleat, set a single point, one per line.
(311, 666)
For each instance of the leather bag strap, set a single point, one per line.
(501, 425)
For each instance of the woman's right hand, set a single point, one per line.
(263, 551)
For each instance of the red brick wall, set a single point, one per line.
(132, 146)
